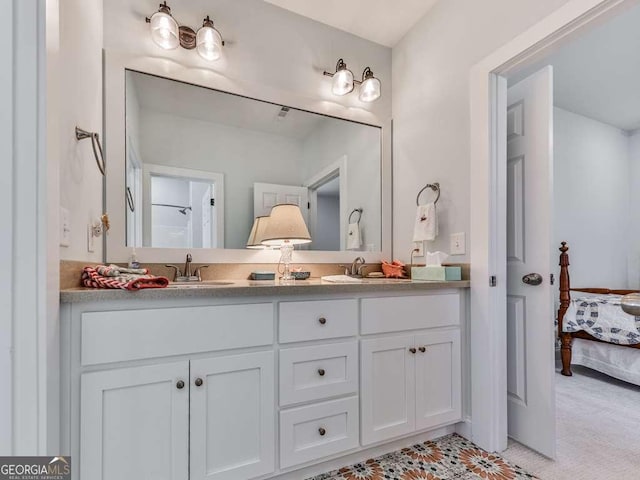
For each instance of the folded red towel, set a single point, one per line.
(91, 277)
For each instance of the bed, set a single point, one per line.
(591, 319)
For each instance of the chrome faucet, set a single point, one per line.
(357, 266)
(188, 275)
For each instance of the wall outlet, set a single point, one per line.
(65, 227)
(458, 244)
(418, 249)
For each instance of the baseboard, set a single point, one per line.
(464, 428)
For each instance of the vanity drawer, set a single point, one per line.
(315, 373)
(395, 314)
(316, 320)
(120, 336)
(317, 431)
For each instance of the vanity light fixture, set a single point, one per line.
(167, 34)
(343, 82)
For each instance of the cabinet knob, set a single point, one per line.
(422, 349)
(412, 350)
(321, 372)
(198, 382)
(322, 432)
(179, 384)
(322, 320)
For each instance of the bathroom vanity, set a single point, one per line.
(242, 381)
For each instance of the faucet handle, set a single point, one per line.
(177, 273)
(197, 272)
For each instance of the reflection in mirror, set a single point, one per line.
(202, 165)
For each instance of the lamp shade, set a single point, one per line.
(342, 79)
(286, 226)
(164, 29)
(209, 41)
(370, 90)
(257, 233)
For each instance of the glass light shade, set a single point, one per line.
(342, 82)
(286, 226)
(164, 30)
(257, 233)
(209, 43)
(370, 90)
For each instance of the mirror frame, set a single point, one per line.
(115, 248)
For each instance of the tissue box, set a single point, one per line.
(442, 274)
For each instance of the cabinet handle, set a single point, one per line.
(198, 382)
(322, 431)
(322, 320)
(321, 372)
(422, 349)
(412, 350)
(180, 385)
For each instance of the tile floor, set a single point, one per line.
(447, 458)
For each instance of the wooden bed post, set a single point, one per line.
(565, 300)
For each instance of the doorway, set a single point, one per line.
(488, 208)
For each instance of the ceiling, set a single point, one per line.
(189, 101)
(598, 74)
(380, 21)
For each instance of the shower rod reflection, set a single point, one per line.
(182, 209)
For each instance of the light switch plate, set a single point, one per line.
(65, 227)
(91, 245)
(458, 244)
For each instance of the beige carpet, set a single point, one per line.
(598, 431)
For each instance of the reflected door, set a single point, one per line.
(267, 195)
(530, 329)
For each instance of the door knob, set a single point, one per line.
(532, 279)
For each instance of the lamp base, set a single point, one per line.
(286, 253)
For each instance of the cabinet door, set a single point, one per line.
(438, 379)
(387, 388)
(135, 423)
(232, 417)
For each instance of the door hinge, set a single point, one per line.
(308, 205)
(493, 281)
(213, 202)
(553, 279)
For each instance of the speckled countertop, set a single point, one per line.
(247, 288)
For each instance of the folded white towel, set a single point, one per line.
(341, 279)
(426, 224)
(354, 239)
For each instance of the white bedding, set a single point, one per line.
(602, 317)
(619, 362)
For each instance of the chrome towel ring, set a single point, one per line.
(95, 144)
(433, 186)
(358, 211)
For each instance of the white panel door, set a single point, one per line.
(135, 423)
(438, 379)
(232, 417)
(530, 330)
(266, 195)
(387, 388)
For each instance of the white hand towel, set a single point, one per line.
(426, 225)
(354, 240)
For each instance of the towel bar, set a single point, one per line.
(433, 186)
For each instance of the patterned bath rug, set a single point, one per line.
(447, 458)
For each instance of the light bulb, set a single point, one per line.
(209, 41)
(370, 87)
(164, 29)
(342, 81)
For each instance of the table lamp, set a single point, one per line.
(285, 229)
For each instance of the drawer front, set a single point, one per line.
(316, 320)
(396, 314)
(316, 373)
(317, 431)
(120, 336)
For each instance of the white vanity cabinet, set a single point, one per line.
(254, 387)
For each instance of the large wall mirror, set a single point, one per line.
(200, 164)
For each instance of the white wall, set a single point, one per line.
(592, 199)
(243, 156)
(634, 222)
(361, 145)
(431, 105)
(81, 90)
